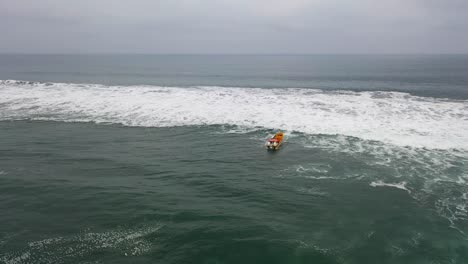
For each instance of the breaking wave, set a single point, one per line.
(391, 117)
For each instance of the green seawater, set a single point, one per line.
(161, 159)
(105, 193)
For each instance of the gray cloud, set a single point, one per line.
(242, 26)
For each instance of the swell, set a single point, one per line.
(391, 117)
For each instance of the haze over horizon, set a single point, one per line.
(234, 27)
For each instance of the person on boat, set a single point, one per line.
(278, 136)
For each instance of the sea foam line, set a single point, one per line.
(129, 242)
(400, 185)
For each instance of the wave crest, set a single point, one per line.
(392, 117)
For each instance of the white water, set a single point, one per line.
(130, 242)
(400, 185)
(437, 178)
(390, 117)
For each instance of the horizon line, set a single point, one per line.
(233, 54)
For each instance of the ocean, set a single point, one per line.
(161, 159)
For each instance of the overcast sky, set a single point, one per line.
(234, 26)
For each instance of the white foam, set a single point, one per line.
(454, 210)
(312, 191)
(431, 176)
(315, 168)
(129, 242)
(391, 117)
(400, 185)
